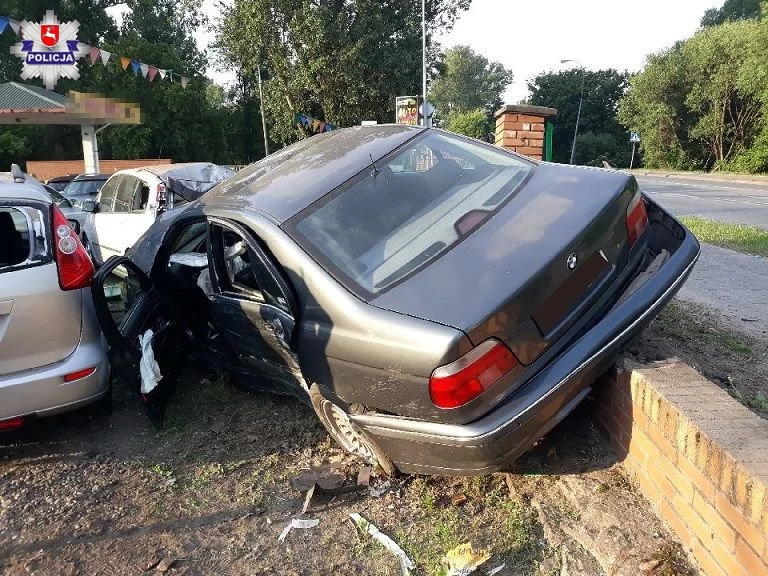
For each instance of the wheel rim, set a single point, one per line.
(347, 434)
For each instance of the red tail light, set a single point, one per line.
(160, 190)
(74, 264)
(72, 376)
(11, 424)
(637, 219)
(459, 382)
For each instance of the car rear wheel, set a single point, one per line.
(349, 436)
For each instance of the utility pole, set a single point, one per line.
(578, 114)
(263, 118)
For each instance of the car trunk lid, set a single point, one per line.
(528, 272)
(40, 324)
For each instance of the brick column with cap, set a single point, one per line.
(521, 128)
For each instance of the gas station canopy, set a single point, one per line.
(22, 104)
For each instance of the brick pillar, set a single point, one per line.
(520, 127)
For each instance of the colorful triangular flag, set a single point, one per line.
(15, 24)
(136, 66)
(152, 73)
(3, 23)
(162, 73)
(95, 53)
(184, 81)
(144, 69)
(124, 62)
(105, 57)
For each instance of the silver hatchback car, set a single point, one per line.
(53, 357)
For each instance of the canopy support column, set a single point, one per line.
(90, 148)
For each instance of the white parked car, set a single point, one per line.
(131, 200)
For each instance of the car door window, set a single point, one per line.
(108, 194)
(125, 192)
(141, 197)
(246, 269)
(14, 237)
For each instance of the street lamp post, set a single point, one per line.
(581, 100)
(424, 59)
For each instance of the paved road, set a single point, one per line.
(732, 283)
(722, 200)
(735, 285)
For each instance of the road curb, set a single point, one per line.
(732, 178)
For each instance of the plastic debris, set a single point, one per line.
(380, 490)
(406, 564)
(325, 479)
(494, 571)
(364, 476)
(299, 524)
(307, 499)
(148, 367)
(464, 560)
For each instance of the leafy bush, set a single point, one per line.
(474, 123)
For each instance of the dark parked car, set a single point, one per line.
(442, 303)
(84, 187)
(60, 182)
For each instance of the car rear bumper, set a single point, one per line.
(44, 392)
(497, 439)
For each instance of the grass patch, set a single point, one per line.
(748, 239)
(676, 322)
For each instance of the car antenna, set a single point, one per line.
(375, 172)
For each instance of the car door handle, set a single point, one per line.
(5, 307)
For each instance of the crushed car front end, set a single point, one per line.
(494, 440)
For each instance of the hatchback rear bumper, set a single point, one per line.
(489, 444)
(44, 392)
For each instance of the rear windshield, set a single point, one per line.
(408, 210)
(81, 188)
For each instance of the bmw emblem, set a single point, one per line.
(572, 261)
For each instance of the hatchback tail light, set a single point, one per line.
(73, 263)
(637, 219)
(160, 191)
(460, 382)
(11, 424)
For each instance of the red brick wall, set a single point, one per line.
(45, 170)
(699, 456)
(521, 128)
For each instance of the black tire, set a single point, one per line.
(335, 418)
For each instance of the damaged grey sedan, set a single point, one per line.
(441, 303)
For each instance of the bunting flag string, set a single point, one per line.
(148, 71)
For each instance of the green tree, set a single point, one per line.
(474, 123)
(602, 91)
(339, 61)
(466, 82)
(700, 104)
(731, 11)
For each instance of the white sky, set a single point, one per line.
(531, 37)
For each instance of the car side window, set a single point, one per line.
(246, 270)
(125, 193)
(108, 193)
(140, 197)
(14, 237)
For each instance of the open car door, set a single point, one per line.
(147, 347)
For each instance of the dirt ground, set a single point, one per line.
(210, 493)
(714, 346)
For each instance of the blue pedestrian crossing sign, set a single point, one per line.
(634, 137)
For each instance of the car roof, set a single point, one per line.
(30, 189)
(66, 178)
(91, 177)
(286, 182)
